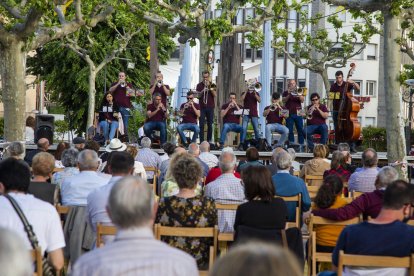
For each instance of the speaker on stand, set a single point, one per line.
(45, 127)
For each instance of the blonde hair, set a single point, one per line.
(319, 151)
(43, 164)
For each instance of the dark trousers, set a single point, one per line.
(209, 114)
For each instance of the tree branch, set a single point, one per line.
(78, 11)
(366, 5)
(13, 11)
(60, 14)
(30, 25)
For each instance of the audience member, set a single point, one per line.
(215, 172)
(295, 164)
(76, 189)
(148, 157)
(42, 166)
(206, 156)
(15, 150)
(15, 180)
(338, 166)
(14, 257)
(134, 251)
(364, 180)
(30, 128)
(114, 145)
(92, 145)
(169, 149)
(42, 146)
(186, 209)
(273, 167)
(165, 156)
(226, 189)
(368, 204)
(139, 169)
(327, 152)
(58, 154)
(78, 143)
(316, 166)
(194, 150)
(70, 162)
(346, 150)
(252, 159)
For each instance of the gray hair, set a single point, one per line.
(69, 157)
(16, 150)
(14, 256)
(344, 147)
(194, 149)
(386, 176)
(205, 146)
(227, 161)
(292, 153)
(130, 202)
(88, 160)
(283, 160)
(146, 142)
(275, 152)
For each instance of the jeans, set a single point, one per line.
(126, 113)
(255, 123)
(188, 126)
(149, 127)
(281, 129)
(109, 129)
(319, 129)
(234, 128)
(298, 121)
(209, 113)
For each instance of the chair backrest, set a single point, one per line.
(221, 206)
(296, 173)
(62, 211)
(36, 255)
(298, 199)
(315, 220)
(356, 194)
(312, 190)
(374, 261)
(103, 230)
(156, 172)
(312, 180)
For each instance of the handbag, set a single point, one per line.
(48, 270)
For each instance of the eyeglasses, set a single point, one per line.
(314, 100)
(190, 98)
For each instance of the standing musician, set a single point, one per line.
(231, 121)
(250, 100)
(293, 102)
(160, 87)
(274, 114)
(207, 95)
(190, 112)
(317, 114)
(156, 116)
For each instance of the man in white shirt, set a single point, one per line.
(135, 251)
(206, 156)
(15, 180)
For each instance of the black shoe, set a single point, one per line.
(240, 147)
(220, 147)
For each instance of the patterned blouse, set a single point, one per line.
(198, 211)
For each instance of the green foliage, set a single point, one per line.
(406, 73)
(216, 28)
(61, 127)
(374, 137)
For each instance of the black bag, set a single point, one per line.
(262, 145)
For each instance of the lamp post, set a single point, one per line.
(408, 98)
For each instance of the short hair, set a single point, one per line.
(275, 152)
(283, 160)
(132, 150)
(156, 94)
(276, 96)
(168, 148)
(146, 142)
(292, 153)
(186, 171)
(258, 183)
(257, 258)
(190, 92)
(205, 146)
(70, 157)
(205, 72)
(121, 162)
(338, 159)
(232, 93)
(59, 150)
(343, 147)
(92, 145)
(227, 161)
(339, 73)
(43, 143)
(14, 256)
(31, 122)
(88, 160)
(319, 151)
(130, 202)
(398, 194)
(252, 154)
(43, 164)
(369, 158)
(386, 175)
(326, 151)
(14, 175)
(193, 149)
(15, 149)
(331, 187)
(314, 95)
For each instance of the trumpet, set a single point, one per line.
(274, 106)
(123, 84)
(311, 109)
(187, 105)
(159, 83)
(257, 87)
(301, 91)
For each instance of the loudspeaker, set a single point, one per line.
(45, 127)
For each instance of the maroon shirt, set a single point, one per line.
(273, 116)
(210, 97)
(250, 102)
(293, 104)
(189, 114)
(230, 117)
(317, 118)
(162, 92)
(158, 117)
(336, 93)
(121, 98)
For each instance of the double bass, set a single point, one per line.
(349, 129)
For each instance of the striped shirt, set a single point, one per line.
(148, 158)
(363, 180)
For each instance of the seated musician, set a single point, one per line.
(317, 114)
(108, 117)
(190, 113)
(274, 119)
(231, 121)
(156, 116)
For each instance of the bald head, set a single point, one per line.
(205, 146)
(369, 158)
(43, 144)
(194, 150)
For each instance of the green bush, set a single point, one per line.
(61, 127)
(374, 137)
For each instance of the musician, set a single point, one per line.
(160, 87)
(156, 117)
(293, 102)
(191, 112)
(274, 121)
(207, 95)
(231, 121)
(317, 114)
(250, 100)
(108, 117)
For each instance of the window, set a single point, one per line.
(339, 11)
(371, 51)
(280, 85)
(302, 83)
(331, 82)
(249, 13)
(292, 16)
(247, 51)
(361, 54)
(176, 53)
(358, 92)
(371, 88)
(259, 53)
(290, 48)
(370, 121)
(239, 17)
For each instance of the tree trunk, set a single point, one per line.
(392, 65)
(203, 65)
(91, 97)
(13, 69)
(154, 66)
(326, 83)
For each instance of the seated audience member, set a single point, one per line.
(58, 154)
(15, 150)
(14, 257)
(364, 180)
(386, 235)
(121, 164)
(139, 169)
(76, 189)
(70, 162)
(295, 164)
(346, 150)
(252, 159)
(186, 209)
(134, 251)
(368, 204)
(255, 258)
(165, 156)
(42, 166)
(194, 150)
(206, 156)
(273, 167)
(113, 146)
(316, 166)
(148, 157)
(288, 185)
(215, 172)
(338, 166)
(92, 145)
(169, 149)
(79, 143)
(226, 189)
(30, 128)
(42, 146)
(15, 180)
